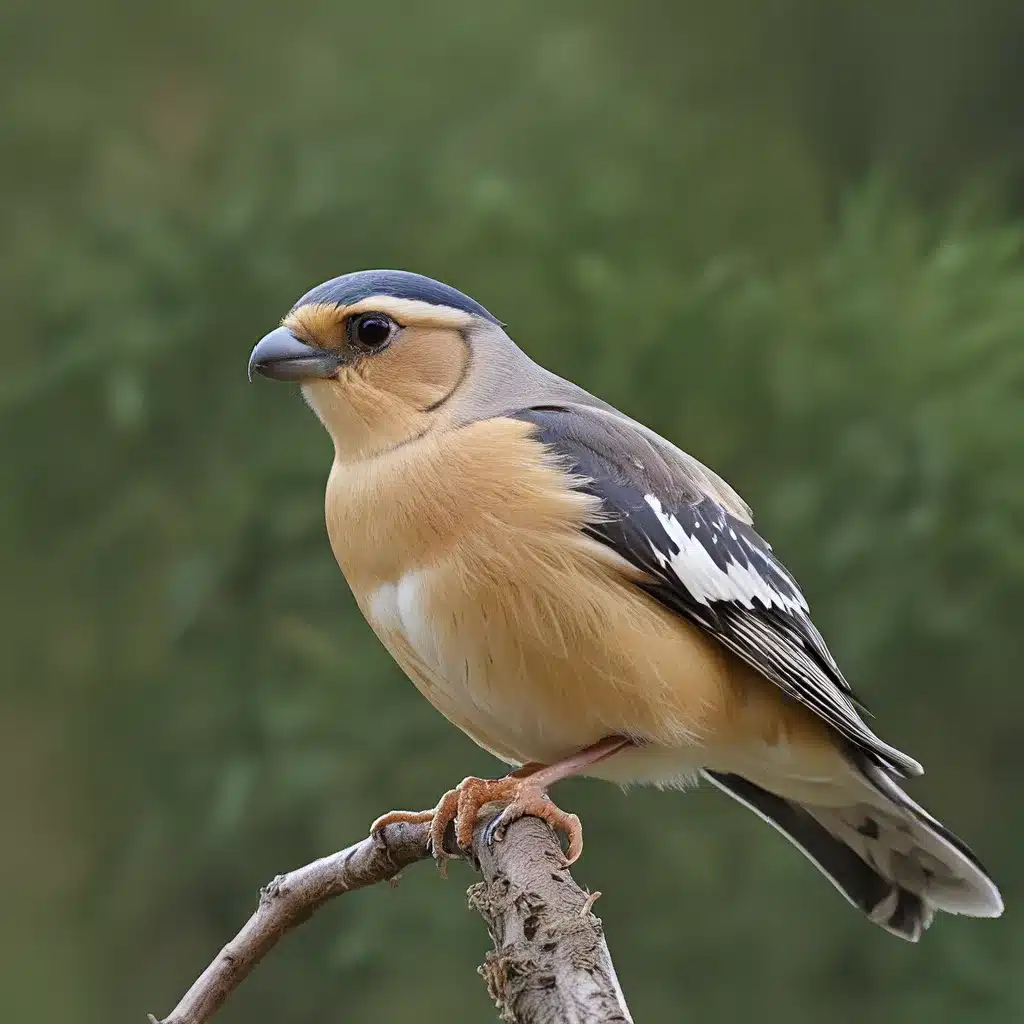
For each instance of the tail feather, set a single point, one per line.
(885, 854)
(954, 879)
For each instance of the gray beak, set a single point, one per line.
(281, 356)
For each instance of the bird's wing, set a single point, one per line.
(692, 536)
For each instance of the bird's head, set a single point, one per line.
(379, 354)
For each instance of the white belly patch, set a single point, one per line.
(401, 607)
(457, 668)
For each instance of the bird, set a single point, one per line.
(582, 598)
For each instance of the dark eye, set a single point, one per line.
(372, 329)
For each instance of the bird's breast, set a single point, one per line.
(466, 554)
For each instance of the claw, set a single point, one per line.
(489, 837)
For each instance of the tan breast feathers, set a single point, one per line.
(465, 553)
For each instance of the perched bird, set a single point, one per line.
(581, 597)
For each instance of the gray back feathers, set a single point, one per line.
(503, 380)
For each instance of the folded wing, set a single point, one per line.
(692, 537)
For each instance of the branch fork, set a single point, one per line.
(550, 961)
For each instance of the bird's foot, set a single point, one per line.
(531, 799)
(435, 840)
(401, 818)
(462, 805)
(523, 796)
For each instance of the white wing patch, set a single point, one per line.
(724, 578)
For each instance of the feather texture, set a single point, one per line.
(885, 854)
(709, 566)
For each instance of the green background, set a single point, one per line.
(787, 235)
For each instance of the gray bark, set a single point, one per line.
(550, 961)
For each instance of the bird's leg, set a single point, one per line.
(525, 791)
(530, 795)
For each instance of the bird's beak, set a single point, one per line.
(281, 356)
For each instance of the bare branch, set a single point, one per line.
(550, 961)
(291, 899)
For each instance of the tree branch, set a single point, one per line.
(550, 961)
(289, 900)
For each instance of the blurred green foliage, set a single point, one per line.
(786, 235)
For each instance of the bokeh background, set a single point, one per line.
(787, 235)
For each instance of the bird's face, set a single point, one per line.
(377, 368)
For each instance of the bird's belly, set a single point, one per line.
(536, 672)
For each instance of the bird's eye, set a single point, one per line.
(372, 329)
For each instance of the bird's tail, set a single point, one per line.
(887, 855)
